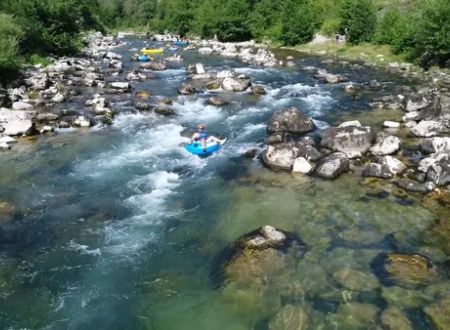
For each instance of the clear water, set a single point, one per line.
(119, 227)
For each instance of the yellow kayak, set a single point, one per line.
(150, 51)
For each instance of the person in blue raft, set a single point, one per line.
(202, 144)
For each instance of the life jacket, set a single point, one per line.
(201, 135)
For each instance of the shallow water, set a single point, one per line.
(119, 227)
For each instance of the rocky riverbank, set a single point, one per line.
(37, 107)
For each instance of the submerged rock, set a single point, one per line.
(290, 317)
(356, 280)
(414, 186)
(355, 316)
(290, 120)
(349, 138)
(409, 271)
(329, 78)
(333, 166)
(393, 318)
(439, 313)
(163, 109)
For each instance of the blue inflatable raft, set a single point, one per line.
(143, 58)
(181, 43)
(196, 148)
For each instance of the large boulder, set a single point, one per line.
(439, 172)
(406, 270)
(283, 155)
(186, 89)
(436, 145)
(333, 166)
(15, 122)
(290, 120)
(385, 144)
(439, 313)
(394, 165)
(416, 102)
(235, 85)
(329, 78)
(290, 317)
(427, 128)
(353, 140)
(376, 170)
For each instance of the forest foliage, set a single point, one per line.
(420, 28)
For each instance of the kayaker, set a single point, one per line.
(202, 136)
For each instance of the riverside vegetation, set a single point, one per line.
(418, 28)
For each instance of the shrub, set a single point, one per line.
(433, 32)
(10, 33)
(358, 20)
(395, 29)
(298, 23)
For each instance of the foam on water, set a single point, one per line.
(194, 111)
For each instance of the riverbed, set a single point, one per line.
(118, 227)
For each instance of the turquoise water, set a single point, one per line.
(119, 227)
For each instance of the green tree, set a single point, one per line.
(395, 28)
(433, 32)
(264, 18)
(298, 22)
(10, 33)
(227, 19)
(358, 19)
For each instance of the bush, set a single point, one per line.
(264, 17)
(331, 26)
(227, 19)
(298, 23)
(358, 20)
(10, 33)
(395, 29)
(433, 32)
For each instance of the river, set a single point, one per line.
(118, 227)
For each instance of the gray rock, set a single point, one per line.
(329, 78)
(215, 84)
(427, 128)
(439, 172)
(282, 156)
(22, 106)
(290, 120)
(46, 117)
(391, 124)
(143, 106)
(393, 164)
(436, 145)
(354, 141)
(235, 85)
(385, 144)
(15, 122)
(376, 170)
(416, 103)
(216, 101)
(186, 89)
(301, 165)
(123, 86)
(258, 90)
(38, 82)
(414, 186)
(225, 74)
(333, 166)
(269, 237)
(156, 66)
(63, 124)
(163, 109)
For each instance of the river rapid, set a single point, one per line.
(119, 227)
